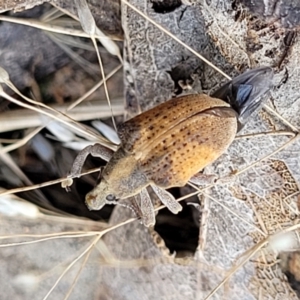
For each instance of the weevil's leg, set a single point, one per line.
(96, 150)
(167, 199)
(203, 179)
(136, 207)
(147, 209)
(144, 209)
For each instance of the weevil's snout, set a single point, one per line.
(94, 201)
(245, 93)
(98, 197)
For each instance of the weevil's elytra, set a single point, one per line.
(178, 153)
(168, 144)
(142, 130)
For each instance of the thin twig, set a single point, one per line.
(71, 265)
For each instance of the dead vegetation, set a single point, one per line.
(233, 244)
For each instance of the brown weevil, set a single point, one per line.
(167, 145)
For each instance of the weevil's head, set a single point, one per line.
(99, 196)
(246, 92)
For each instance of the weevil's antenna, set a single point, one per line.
(134, 209)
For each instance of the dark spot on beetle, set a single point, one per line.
(165, 166)
(165, 117)
(165, 148)
(162, 126)
(157, 114)
(148, 137)
(187, 150)
(172, 135)
(188, 133)
(174, 143)
(194, 146)
(151, 127)
(184, 145)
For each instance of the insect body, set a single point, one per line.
(168, 144)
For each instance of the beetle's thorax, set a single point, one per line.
(123, 175)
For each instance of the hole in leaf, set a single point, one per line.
(165, 6)
(180, 232)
